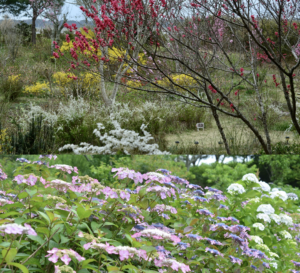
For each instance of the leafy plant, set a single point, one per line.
(11, 87)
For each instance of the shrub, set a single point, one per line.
(85, 84)
(25, 31)
(11, 87)
(37, 88)
(37, 139)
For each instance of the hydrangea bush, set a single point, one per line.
(151, 222)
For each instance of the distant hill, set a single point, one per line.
(43, 23)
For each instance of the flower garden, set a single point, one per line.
(55, 220)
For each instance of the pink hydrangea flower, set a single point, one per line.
(123, 173)
(64, 255)
(17, 229)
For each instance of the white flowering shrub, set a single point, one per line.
(269, 213)
(236, 189)
(118, 140)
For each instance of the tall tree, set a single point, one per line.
(58, 19)
(14, 7)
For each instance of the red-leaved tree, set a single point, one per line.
(204, 40)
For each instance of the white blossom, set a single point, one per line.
(262, 247)
(273, 264)
(257, 239)
(285, 219)
(255, 200)
(250, 177)
(292, 196)
(281, 194)
(272, 254)
(266, 208)
(263, 186)
(260, 226)
(118, 140)
(276, 218)
(236, 188)
(285, 234)
(264, 217)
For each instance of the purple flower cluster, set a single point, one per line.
(3, 175)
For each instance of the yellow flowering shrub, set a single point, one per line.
(37, 88)
(183, 80)
(136, 84)
(14, 78)
(86, 82)
(11, 87)
(3, 140)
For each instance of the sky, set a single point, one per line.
(212, 159)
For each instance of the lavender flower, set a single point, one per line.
(17, 229)
(214, 251)
(235, 260)
(64, 255)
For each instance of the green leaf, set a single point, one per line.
(148, 248)
(20, 266)
(45, 216)
(86, 262)
(6, 215)
(36, 238)
(43, 230)
(50, 215)
(31, 192)
(10, 255)
(112, 268)
(63, 239)
(23, 195)
(142, 192)
(83, 213)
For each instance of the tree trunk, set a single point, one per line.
(33, 30)
(53, 38)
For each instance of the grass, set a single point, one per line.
(33, 62)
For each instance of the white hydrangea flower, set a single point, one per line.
(273, 264)
(264, 217)
(285, 234)
(292, 196)
(236, 188)
(250, 177)
(255, 200)
(276, 218)
(264, 186)
(285, 219)
(266, 208)
(262, 247)
(260, 226)
(257, 240)
(275, 189)
(272, 254)
(281, 194)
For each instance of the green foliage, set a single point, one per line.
(14, 7)
(142, 164)
(74, 219)
(11, 87)
(220, 175)
(26, 31)
(37, 139)
(283, 169)
(75, 131)
(283, 148)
